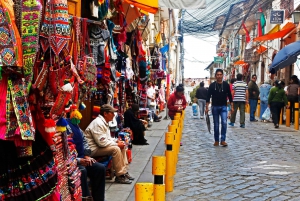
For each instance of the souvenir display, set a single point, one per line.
(52, 63)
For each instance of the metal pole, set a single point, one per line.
(177, 62)
(168, 68)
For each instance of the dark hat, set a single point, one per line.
(107, 108)
(135, 107)
(294, 76)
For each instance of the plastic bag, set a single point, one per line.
(267, 114)
(195, 110)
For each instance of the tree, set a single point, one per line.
(193, 93)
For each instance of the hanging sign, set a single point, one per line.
(277, 16)
(218, 60)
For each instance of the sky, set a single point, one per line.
(202, 52)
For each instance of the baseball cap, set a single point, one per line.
(107, 108)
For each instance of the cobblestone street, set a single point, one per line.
(260, 163)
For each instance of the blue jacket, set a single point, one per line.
(264, 92)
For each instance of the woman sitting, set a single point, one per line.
(136, 125)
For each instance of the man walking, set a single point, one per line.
(201, 95)
(219, 91)
(253, 97)
(240, 99)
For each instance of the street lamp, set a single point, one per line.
(296, 17)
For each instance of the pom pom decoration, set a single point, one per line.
(76, 115)
(49, 125)
(62, 122)
(82, 106)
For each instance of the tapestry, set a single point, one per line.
(10, 41)
(31, 15)
(56, 28)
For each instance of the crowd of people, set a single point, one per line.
(226, 99)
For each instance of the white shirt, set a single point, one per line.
(150, 92)
(98, 134)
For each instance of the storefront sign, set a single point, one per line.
(218, 60)
(277, 16)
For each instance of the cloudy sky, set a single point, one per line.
(199, 53)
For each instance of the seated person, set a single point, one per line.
(87, 165)
(136, 125)
(102, 144)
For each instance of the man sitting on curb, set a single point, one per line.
(102, 144)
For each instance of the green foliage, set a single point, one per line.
(193, 93)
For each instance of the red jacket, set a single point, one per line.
(174, 102)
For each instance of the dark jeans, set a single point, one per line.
(241, 106)
(96, 173)
(218, 111)
(253, 105)
(292, 109)
(275, 108)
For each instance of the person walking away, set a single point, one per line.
(264, 90)
(176, 102)
(240, 99)
(277, 100)
(219, 91)
(253, 97)
(232, 81)
(292, 94)
(201, 95)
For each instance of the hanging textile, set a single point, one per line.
(56, 29)
(10, 41)
(31, 16)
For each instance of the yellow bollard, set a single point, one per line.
(159, 170)
(287, 116)
(144, 192)
(296, 116)
(172, 129)
(257, 113)
(170, 161)
(280, 119)
(177, 117)
(177, 138)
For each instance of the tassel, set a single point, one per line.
(76, 114)
(0, 73)
(82, 106)
(75, 121)
(62, 122)
(61, 128)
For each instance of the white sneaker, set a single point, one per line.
(201, 117)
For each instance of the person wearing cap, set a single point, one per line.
(276, 101)
(264, 90)
(102, 144)
(136, 125)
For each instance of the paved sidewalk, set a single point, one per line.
(260, 163)
(141, 166)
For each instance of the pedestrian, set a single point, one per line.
(151, 102)
(176, 102)
(292, 94)
(240, 99)
(201, 95)
(277, 100)
(232, 81)
(253, 97)
(264, 90)
(219, 91)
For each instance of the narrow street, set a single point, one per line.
(260, 163)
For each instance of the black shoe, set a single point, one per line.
(157, 120)
(276, 126)
(159, 117)
(127, 175)
(255, 120)
(122, 180)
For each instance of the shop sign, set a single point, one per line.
(277, 16)
(218, 60)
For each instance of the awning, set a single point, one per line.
(240, 62)
(279, 34)
(146, 5)
(261, 49)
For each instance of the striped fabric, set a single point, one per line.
(239, 88)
